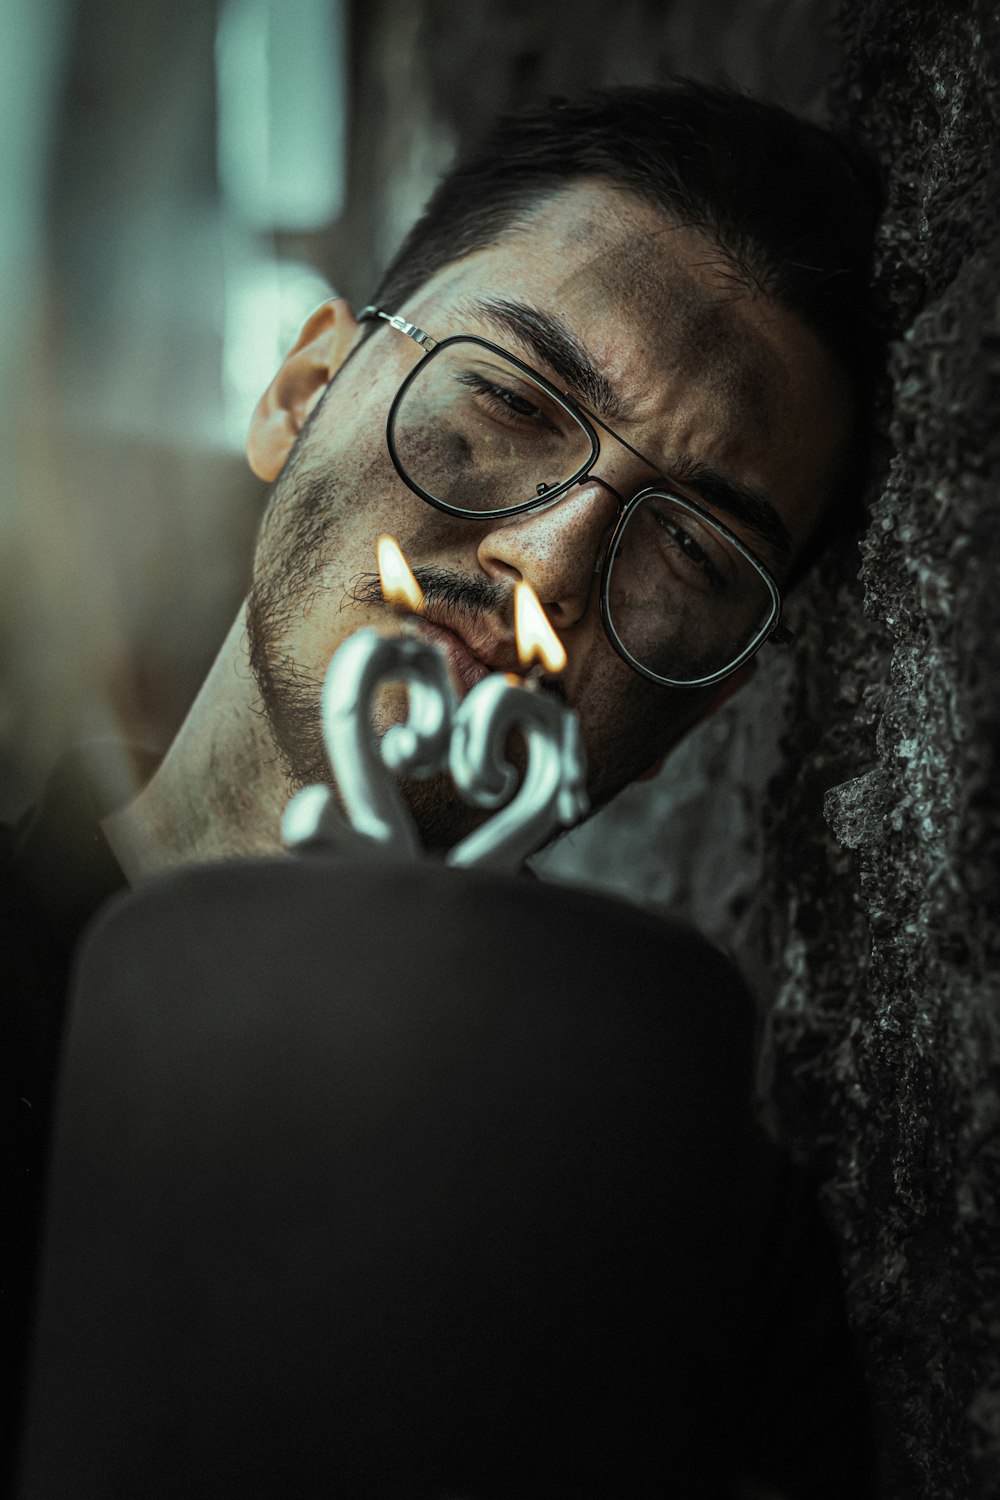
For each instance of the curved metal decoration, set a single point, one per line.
(553, 790)
(376, 811)
(469, 740)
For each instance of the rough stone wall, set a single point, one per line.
(886, 1027)
(867, 908)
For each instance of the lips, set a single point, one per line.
(472, 648)
(467, 668)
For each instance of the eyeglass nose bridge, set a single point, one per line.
(589, 477)
(562, 491)
(604, 545)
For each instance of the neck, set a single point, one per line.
(220, 791)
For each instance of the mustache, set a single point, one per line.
(469, 595)
(475, 596)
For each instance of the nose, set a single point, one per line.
(557, 550)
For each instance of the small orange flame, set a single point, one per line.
(535, 637)
(398, 583)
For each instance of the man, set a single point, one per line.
(716, 365)
(625, 356)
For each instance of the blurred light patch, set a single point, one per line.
(282, 94)
(267, 301)
(32, 47)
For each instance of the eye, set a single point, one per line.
(514, 401)
(681, 538)
(506, 403)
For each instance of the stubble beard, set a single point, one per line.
(297, 541)
(287, 579)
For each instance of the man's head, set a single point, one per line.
(704, 261)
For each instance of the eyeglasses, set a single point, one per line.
(476, 432)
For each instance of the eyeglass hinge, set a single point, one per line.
(395, 321)
(368, 314)
(412, 331)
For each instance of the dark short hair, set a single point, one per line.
(793, 206)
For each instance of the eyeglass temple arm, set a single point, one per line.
(370, 313)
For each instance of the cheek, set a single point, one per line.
(370, 498)
(432, 536)
(363, 496)
(627, 723)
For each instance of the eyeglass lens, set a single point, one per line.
(478, 435)
(683, 600)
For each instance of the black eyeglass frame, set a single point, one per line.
(676, 493)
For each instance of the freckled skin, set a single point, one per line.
(702, 367)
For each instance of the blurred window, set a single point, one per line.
(282, 111)
(282, 108)
(266, 302)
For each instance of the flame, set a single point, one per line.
(398, 583)
(535, 636)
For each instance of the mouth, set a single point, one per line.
(469, 660)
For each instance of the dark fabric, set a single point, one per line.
(56, 871)
(409, 1182)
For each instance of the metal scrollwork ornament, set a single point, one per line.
(438, 735)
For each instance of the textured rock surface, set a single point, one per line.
(886, 1028)
(879, 867)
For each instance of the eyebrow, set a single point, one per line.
(740, 502)
(554, 344)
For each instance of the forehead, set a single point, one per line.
(705, 370)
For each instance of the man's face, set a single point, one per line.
(701, 372)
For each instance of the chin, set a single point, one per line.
(442, 818)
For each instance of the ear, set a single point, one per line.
(727, 687)
(307, 369)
